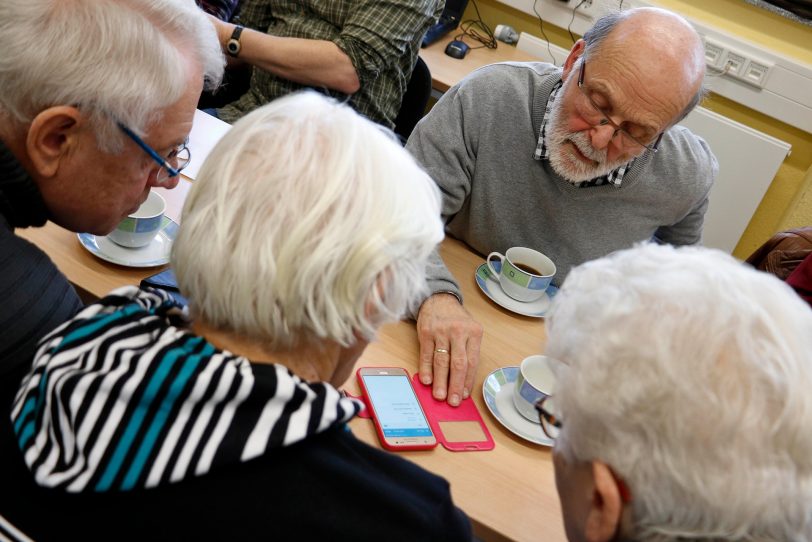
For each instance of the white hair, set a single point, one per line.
(689, 373)
(306, 221)
(116, 60)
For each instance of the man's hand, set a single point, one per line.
(449, 347)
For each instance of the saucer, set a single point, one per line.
(154, 254)
(498, 392)
(489, 284)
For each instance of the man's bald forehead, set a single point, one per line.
(658, 32)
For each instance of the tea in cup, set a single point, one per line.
(525, 273)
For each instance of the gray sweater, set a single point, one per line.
(478, 143)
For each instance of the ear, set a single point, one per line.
(51, 136)
(575, 53)
(606, 508)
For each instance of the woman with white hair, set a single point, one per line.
(307, 228)
(683, 400)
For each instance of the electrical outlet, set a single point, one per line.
(756, 73)
(714, 53)
(735, 64)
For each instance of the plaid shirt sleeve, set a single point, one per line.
(378, 33)
(380, 37)
(383, 38)
(255, 14)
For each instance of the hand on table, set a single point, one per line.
(449, 347)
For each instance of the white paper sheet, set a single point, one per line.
(206, 132)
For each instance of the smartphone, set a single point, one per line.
(398, 416)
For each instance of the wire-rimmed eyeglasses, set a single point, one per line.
(172, 165)
(597, 116)
(550, 423)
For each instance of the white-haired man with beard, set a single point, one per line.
(575, 162)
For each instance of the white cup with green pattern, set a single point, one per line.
(141, 227)
(524, 274)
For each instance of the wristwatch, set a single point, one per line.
(233, 43)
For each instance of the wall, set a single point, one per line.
(788, 201)
(800, 213)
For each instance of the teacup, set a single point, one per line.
(534, 382)
(140, 228)
(525, 273)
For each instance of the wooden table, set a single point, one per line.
(447, 71)
(508, 492)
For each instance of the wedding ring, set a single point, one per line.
(440, 351)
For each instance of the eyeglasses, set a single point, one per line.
(550, 424)
(172, 165)
(597, 116)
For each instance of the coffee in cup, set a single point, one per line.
(535, 381)
(525, 273)
(140, 228)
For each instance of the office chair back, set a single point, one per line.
(415, 100)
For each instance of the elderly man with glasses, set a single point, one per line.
(90, 120)
(574, 162)
(698, 428)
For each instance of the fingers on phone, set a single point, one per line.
(441, 367)
(426, 364)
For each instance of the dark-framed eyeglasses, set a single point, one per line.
(597, 116)
(550, 423)
(172, 165)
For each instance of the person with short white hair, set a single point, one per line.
(86, 86)
(307, 228)
(682, 400)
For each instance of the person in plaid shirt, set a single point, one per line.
(363, 52)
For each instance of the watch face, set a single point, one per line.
(233, 44)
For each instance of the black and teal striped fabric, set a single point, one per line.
(124, 396)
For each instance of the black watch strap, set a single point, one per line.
(233, 44)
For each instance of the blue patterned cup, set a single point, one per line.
(140, 228)
(535, 381)
(525, 273)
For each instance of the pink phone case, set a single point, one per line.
(440, 411)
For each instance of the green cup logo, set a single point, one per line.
(516, 275)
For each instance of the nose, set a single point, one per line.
(152, 176)
(602, 135)
(168, 183)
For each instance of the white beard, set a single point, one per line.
(564, 161)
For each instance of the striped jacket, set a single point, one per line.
(124, 396)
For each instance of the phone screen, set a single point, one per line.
(396, 407)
